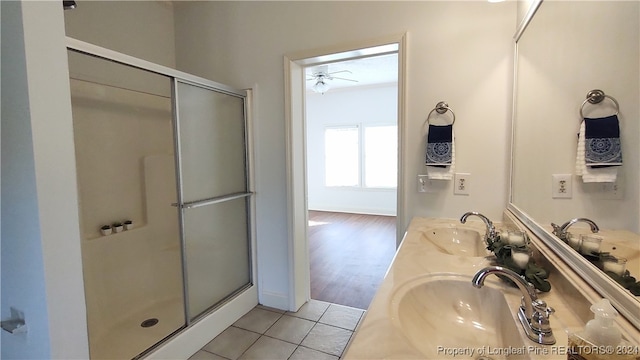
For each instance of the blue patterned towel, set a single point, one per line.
(602, 142)
(439, 145)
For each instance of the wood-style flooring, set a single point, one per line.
(349, 255)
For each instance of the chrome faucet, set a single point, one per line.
(533, 313)
(561, 231)
(491, 230)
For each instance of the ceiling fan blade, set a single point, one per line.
(341, 71)
(339, 78)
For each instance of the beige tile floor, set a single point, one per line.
(319, 330)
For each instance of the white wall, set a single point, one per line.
(41, 263)
(143, 29)
(22, 270)
(460, 52)
(348, 106)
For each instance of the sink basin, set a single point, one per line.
(456, 241)
(440, 313)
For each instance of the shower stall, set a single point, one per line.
(165, 200)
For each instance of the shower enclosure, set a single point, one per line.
(167, 153)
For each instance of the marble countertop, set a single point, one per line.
(377, 337)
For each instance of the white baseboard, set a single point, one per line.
(384, 212)
(274, 300)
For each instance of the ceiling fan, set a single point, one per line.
(321, 76)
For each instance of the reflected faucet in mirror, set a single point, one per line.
(533, 312)
(491, 234)
(561, 231)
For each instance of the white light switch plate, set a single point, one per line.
(425, 185)
(561, 186)
(461, 184)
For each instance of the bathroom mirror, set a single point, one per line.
(568, 49)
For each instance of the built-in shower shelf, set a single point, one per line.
(115, 235)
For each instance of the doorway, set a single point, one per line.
(352, 150)
(295, 65)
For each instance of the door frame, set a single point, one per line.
(296, 151)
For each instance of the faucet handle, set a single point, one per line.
(541, 307)
(557, 230)
(540, 322)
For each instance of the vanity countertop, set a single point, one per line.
(377, 336)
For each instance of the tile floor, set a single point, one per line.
(319, 330)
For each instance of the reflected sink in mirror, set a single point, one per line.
(436, 313)
(456, 241)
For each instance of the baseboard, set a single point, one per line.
(274, 300)
(340, 209)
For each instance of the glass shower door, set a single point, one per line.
(123, 137)
(214, 195)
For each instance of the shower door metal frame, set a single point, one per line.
(182, 206)
(97, 51)
(179, 76)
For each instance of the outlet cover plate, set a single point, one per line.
(562, 186)
(461, 183)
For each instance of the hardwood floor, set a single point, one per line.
(349, 255)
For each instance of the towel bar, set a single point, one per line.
(595, 97)
(441, 108)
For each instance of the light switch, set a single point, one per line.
(425, 185)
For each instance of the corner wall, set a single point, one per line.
(22, 270)
(41, 262)
(459, 52)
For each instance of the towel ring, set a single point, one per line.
(441, 108)
(595, 97)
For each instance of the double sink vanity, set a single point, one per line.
(428, 307)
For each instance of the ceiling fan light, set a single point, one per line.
(320, 87)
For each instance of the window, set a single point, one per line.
(342, 160)
(361, 156)
(381, 156)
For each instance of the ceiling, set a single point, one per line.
(367, 71)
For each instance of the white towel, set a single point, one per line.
(590, 174)
(446, 173)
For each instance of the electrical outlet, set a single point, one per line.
(562, 186)
(461, 184)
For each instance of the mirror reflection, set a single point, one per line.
(568, 50)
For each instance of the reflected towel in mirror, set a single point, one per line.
(588, 173)
(602, 142)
